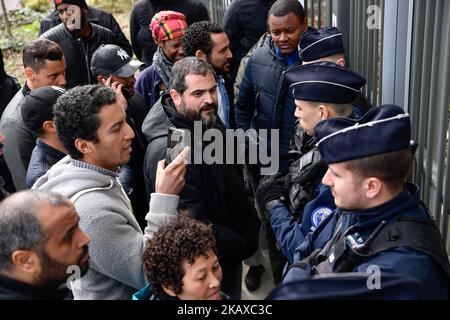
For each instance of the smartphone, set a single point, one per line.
(176, 141)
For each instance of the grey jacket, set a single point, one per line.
(19, 140)
(117, 243)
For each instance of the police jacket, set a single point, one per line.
(400, 260)
(141, 37)
(264, 101)
(310, 202)
(213, 193)
(244, 22)
(96, 16)
(78, 51)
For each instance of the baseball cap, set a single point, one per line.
(110, 59)
(37, 107)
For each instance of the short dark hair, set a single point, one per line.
(198, 37)
(341, 109)
(280, 8)
(37, 51)
(183, 239)
(392, 167)
(20, 228)
(184, 67)
(75, 115)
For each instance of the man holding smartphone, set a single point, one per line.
(214, 193)
(112, 65)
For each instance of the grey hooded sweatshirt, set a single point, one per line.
(117, 242)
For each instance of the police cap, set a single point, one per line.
(383, 129)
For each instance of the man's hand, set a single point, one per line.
(272, 188)
(117, 87)
(170, 178)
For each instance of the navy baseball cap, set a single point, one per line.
(322, 43)
(37, 107)
(110, 59)
(325, 82)
(383, 129)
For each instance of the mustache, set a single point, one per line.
(207, 107)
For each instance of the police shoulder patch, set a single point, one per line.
(320, 214)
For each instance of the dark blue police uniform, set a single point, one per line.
(323, 82)
(383, 129)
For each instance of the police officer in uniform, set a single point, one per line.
(380, 222)
(321, 90)
(325, 44)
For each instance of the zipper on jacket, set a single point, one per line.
(85, 51)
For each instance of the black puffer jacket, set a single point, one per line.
(264, 102)
(97, 16)
(142, 14)
(78, 51)
(213, 193)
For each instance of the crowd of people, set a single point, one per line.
(92, 207)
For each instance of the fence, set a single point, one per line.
(217, 9)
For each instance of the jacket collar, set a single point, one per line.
(26, 89)
(408, 198)
(50, 150)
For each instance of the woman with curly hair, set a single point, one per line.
(181, 263)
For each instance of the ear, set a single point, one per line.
(176, 97)
(26, 261)
(199, 54)
(49, 126)
(372, 187)
(341, 62)
(170, 292)
(324, 112)
(29, 73)
(305, 24)
(84, 146)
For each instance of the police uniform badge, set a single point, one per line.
(318, 215)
